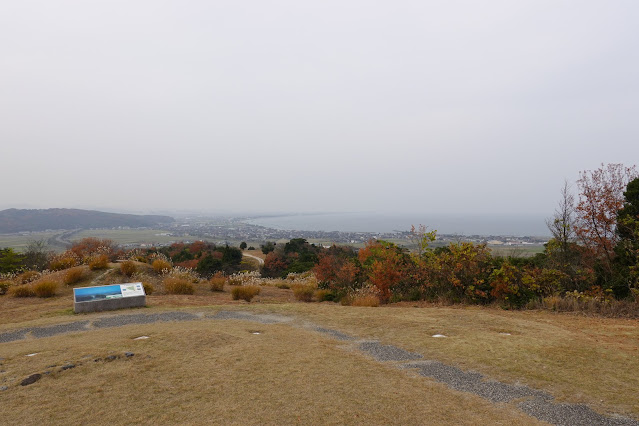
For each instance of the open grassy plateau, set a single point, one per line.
(207, 359)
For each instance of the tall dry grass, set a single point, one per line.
(128, 268)
(245, 292)
(73, 275)
(173, 285)
(45, 288)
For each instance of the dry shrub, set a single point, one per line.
(217, 282)
(174, 285)
(324, 296)
(580, 302)
(283, 285)
(24, 290)
(148, 288)
(368, 295)
(4, 287)
(63, 262)
(246, 292)
(27, 277)
(303, 292)
(128, 268)
(45, 288)
(100, 261)
(73, 275)
(161, 266)
(365, 300)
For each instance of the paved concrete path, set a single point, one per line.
(536, 403)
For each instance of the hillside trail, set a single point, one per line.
(259, 259)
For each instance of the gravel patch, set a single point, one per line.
(570, 414)
(387, 352)
(539, 404)
(121, 320)
(54, 330)
(247, 316)
(334, 333)
(473, 382)
(14, 335)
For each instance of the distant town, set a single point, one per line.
(229, 230)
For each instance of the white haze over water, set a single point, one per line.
(519, 225)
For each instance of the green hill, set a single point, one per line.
(21, 220)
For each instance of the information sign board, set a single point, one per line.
(107, 297)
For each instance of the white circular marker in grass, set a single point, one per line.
(439, 335)
(141, 338)
(34, 354)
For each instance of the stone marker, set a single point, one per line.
(108, 297)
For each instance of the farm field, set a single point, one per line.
(20, 241)
(131, 236)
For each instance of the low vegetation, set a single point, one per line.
(98, 262)
(303, 292)
(27, 277)
(148, 288)
(128, 268)
(73, 275)
(161, 265)
(175, 285)
(247, 292)
(22, 290)
(45, 288)
(217, 282)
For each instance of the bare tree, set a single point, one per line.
(562, 224)
(36, 256)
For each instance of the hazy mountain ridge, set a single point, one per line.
(21, 220)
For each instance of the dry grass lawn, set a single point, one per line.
(218, 372)
(578, 359)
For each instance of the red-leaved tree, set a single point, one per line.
(600, 198)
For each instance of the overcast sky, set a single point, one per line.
(393, 106)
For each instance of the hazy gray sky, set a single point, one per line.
(419, 106)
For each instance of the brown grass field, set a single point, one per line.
(214, 371)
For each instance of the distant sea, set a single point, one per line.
(514, 225)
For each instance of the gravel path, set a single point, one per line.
(387, 352)
(333, 333)
(535, 403)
